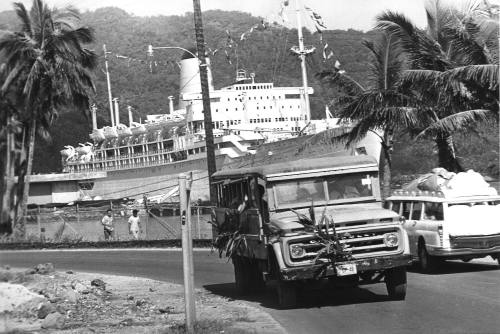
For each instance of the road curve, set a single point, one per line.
(462, 298)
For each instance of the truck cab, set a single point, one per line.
(308, 220)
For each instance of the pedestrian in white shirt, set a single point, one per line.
(134, 224)
(107, 223)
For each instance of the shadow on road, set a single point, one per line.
(457, 267)
(321, 295)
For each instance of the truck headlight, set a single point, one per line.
(297, 251)
(391, 239)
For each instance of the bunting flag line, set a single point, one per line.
(317, 19)
(328, 55)
(227, 57)
(229, 40)
(259, 26)
(282, 13)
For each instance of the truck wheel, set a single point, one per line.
(287, 294)
(241, 274)
(395, 281)
(428, 263)
(256, 280)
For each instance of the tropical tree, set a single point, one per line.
(380, 106)
(444, 63)
(45, 60)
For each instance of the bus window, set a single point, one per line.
(406, 209)
(433, 211)
(417, 211)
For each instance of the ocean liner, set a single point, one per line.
(253, 122)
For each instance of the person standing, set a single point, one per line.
(107, 223)
(134, 224)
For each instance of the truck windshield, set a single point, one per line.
(329, 188)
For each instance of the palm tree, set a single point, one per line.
(453, 42)
(47, 61)
(379, 106)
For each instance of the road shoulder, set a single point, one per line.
(121, 304)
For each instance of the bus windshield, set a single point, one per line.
(329, 188)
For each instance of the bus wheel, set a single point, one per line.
(428, 263)
(395, 282)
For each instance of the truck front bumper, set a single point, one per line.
(316, 271)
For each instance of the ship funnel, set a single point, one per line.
(130, 118)
(190, 76)
(171, 104)
(117, 111)
(93, 110)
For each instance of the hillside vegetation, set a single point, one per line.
(266, 52)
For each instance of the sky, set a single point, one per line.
(337, 14)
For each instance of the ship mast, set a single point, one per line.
(109, 86)
(302, 52)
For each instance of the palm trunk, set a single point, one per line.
(386, 162)
(21, 218)
(8, 184)
(446, 153)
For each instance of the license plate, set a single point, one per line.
(346, 269)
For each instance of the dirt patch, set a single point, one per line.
(95, 303)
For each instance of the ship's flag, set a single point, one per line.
(229, 40)
(282, 13)
(317, 19)
(327, 54)
(227, 57)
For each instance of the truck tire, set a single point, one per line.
(428, 263)
(395, 282)
(257, 279)
(287, 294)
(242, 274)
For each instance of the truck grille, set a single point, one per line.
(475, 242)
(359, 243)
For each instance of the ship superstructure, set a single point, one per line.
(244, 114)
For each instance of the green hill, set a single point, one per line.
(266, 52)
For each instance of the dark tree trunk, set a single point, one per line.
(8, 183)
(386, 162)
(446, 153)
(23, 205)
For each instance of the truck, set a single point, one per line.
(308, 220)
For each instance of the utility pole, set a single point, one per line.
(209, 136)
(110, 98)
(187, 250)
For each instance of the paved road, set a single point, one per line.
(462, 298)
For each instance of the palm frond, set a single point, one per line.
(23, 15)
(350, 86)
(456, 122)
(484, 75)
(422, 51)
